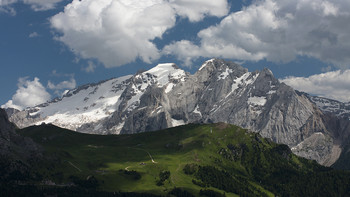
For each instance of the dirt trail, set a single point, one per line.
(151, 157)
(173, 176)
(70, 163)
(149, 154)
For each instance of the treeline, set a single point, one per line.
(274, 168)
(322, 183)
(69, 191)
(223, 180)
(163, 176)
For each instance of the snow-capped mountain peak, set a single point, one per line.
(90, 104)
(166, 72)
(82, 105)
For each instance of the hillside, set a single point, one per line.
(212, 158)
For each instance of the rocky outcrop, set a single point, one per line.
(24, 118)
(12, 144)
(17, 153)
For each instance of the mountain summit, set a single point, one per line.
(166, 96)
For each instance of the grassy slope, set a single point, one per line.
(256, 161)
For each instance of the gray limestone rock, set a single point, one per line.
(12, 145)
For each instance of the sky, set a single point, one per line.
(50, 46)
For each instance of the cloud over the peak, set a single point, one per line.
(60, 87)
(29, 94)
(333, 84)
(196, 10)
(276, 30)
(119, 32)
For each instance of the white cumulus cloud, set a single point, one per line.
(29, 94)
(196, 10)
(90, 68)
(117, 32)
(33, 35)
(335, 84)
(278, 31)
(36, 5)
(7, 2)
(6, 8)
(40, 5)
(62, 86)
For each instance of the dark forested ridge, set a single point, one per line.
(191, 160)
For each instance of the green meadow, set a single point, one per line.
(221, 159)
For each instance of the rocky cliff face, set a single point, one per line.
(13, 145)
(17, 153)
(219, 91)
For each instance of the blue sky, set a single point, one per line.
(49, 46)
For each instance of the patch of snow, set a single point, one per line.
(65, 93)
(176, 123)
(169, 87)
(255, 100)
(165, 71)
(134, 101)
(240, 80)
(205, 63)
(224, 74)
(158, 110)
(178, 74)
(116, 129)
(34, 113)
(338, 108)
(215, 107)
(271, 92)
(196, 110)
(83, 107)
(252, 80)
(97, 127)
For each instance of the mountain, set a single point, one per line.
(14, 145)
(94, 104)
(17, 153)
(190, 160)
(166, 96)
(330, 106)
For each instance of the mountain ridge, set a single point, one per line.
(220, 91)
